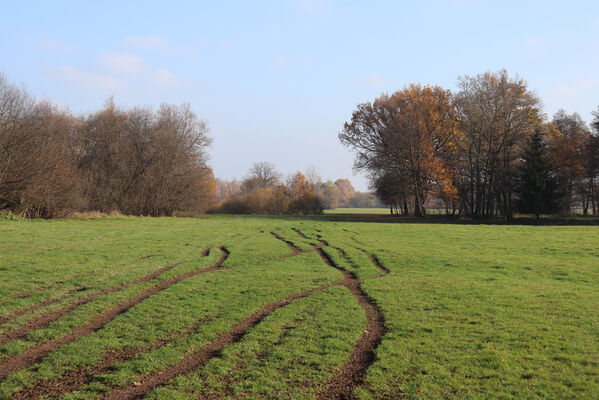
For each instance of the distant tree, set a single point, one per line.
(537, 187)
(364, 200)
(595, 122)
(299, 186)
(226, 189)
(591, 165)
(566, 147)
(262, 175)
(345, 190)
(313, 177)
(392, 190)
(329, 194)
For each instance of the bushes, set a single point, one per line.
(272, 201)
(138, 161)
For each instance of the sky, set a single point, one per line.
(276, 80)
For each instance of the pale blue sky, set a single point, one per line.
(277, 79)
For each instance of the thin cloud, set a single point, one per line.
(164, 77)
(576, 87)
(124, 63)
(313, 7)
(375, 80)
(91, 80)
(281, 62)
(54, 45)
(148, 42)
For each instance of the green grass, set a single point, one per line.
(471, 311)
(349, 210)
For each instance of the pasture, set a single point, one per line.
(296, 308)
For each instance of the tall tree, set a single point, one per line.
(403, 134)
(537, 187)
(566, 147)
(496, 116)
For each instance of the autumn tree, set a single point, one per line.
(304, 201)
(567, 143)
(345, 191)
(403, 134)
(591, 157)
(496, 115)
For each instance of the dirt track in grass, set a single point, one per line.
(206, 353)
(29, 357)
(51, 316)
(351, 374)
(345, 380)
(76, 378)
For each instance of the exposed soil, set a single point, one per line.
(48, 286)
(295, 250)
(351, 374)
(299, 233)
(205, 354)
(76, 378)
(21, 311)
(29, 357)
(50, 316)
(377, 263)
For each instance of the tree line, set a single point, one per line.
(136, 161)
(475, 152)
(265, 191)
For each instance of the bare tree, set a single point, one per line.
(496, 114)
(36, 164)
(145, 162)
(262, 175)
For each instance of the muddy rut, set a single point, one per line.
(22, 360)
(51, 316)
(76, 378)
(206, 353)
(348, 377)
(351, 374)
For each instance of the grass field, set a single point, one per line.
(296, 308)
(350, 211)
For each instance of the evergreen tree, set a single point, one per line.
(537, 188)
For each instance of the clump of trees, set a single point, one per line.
(263, 192)
(425, 145)
(135, 161)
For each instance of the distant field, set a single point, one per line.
(296, 308)
(357, 211)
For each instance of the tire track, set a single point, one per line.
(351, 374)
(294, 249)
(48, 286)
(31, 356)
(76, 378)
(206, 353)
(377, 263)
(51, 316)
